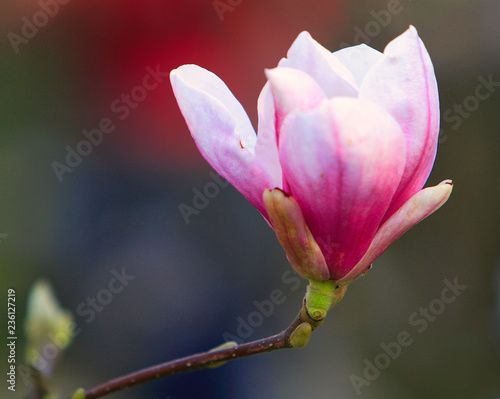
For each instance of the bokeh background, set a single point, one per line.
(119, 208)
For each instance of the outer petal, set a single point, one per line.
(288, 223)
(404, 83)
(417, 208)
(311, 57)
(221, 130)
(343, 161)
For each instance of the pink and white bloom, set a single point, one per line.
(345, 143)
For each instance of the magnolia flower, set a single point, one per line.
(345, 143)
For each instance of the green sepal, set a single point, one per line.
(321, 296)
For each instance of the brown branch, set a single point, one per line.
(205, 359)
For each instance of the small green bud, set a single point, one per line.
(46, 323)
(225, 345)
(79, 394)
(300, 336)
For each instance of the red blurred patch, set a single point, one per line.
(115, 41)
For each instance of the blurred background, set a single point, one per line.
(73, 66)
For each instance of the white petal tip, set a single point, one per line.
(447, 186)
(304, 33)
(269, 72)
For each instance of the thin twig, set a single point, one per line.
(204, 359)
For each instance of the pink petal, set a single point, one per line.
(343, 161)
(309, 56)
(405, 85)
(221, 130)
(266, 148)
(292, 90)
(416, 209)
